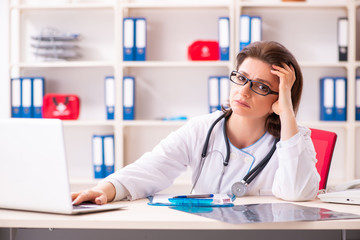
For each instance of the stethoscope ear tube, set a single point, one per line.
(206, 144)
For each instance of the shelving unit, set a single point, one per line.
(167, 75)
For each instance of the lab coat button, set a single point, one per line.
(232, 155)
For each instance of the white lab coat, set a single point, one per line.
(290, 174)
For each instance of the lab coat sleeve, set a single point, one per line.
(155, 170)
(296, 178)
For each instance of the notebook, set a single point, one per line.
(33, 168)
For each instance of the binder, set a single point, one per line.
(224, 90)
(140, 39)
(98, 156)
(244, 31)
(26, 98)
(255, 29)
(343, 38)
(214, 93)
(340, 99)
(128, 98)
(16, 97)
(38, 95)
(109, 154)
(224, 38)
(327, 99)
(128, 39)
(110, 97)
(357, 99)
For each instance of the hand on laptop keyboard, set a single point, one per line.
(100, 194)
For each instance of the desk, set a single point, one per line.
(139, 216)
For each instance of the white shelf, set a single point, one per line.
(152, 123)
(63, 64)
(65, 6)
(86, 123)
(305, 4)
(178, 4)
(141, 64)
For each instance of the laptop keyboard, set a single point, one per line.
(77, 207)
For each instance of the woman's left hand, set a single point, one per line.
(287, 78)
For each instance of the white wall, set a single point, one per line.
(4, 68)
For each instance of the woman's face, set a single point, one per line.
(246, 103)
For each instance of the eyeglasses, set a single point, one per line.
(257, 87)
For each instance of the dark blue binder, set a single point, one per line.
(38, 95)
(327, 99)
(26, 97)
(110, 97)
(214, 93)
(245, 40)
(224, 38)
(340, 99)
(357, 97)
(129, 39)
(98, 156)
(16, 97)
(109, 154)
(128, 98)
(140, 39)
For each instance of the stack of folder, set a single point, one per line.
(333, 99)
(250, 30)
(134, 39)
(219, 91)
(27, 97)
(103, 155)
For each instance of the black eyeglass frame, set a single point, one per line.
(233, 73)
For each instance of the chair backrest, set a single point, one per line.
(324, 143)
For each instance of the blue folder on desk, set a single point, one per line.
(218, 200)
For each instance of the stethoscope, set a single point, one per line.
(238, 188)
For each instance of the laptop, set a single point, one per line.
(350, 196)
(33, 168)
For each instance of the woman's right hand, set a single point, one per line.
(100, 194)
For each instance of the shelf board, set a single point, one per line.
(64, 6)
(323, 64)
(323, 124)
(86, 123)
(61, 64)
(177, 4)
(317, 4)
(142, 64)
(152, 123)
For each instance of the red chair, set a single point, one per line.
(324, 143)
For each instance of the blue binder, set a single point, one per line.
(357, 99)
(128, 98)
(129, 39)
(327, 99)
(224, 38)
(38, 95)
(26, 98)
(343, 38)
(140, 39)
(16, 97)
(255, 29)
(245, 39)
(110, 97)
(224, 85)
(98, 156)
(340, 99)
(109, 154)
(214, 93)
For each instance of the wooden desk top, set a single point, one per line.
(139, 215)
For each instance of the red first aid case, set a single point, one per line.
(203, 51)
(61, 106)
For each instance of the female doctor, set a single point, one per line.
(254, 147)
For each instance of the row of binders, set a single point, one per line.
(134, 39)
(333, 99)
(128, 97)
(218, 92)
(250, 30)
(103, 155)
(27, 97)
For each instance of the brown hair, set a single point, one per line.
(273, 53)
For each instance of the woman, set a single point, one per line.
(264, 98)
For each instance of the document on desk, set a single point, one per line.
(191, 200)
(267, 212)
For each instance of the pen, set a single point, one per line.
(195, 196)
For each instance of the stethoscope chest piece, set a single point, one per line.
(239, 188)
